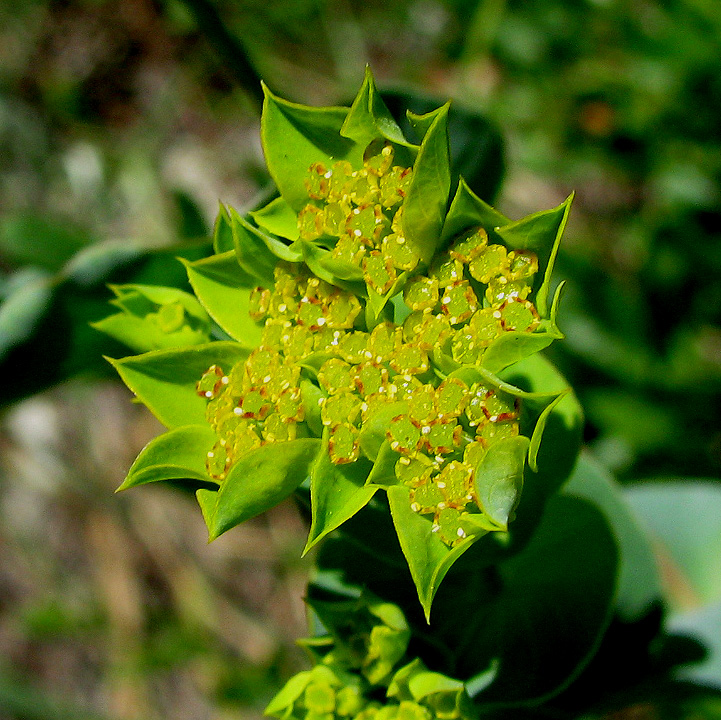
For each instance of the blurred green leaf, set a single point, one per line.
(639, 585)
(684, 516)
(34, 239)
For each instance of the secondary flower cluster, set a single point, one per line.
(322, 368)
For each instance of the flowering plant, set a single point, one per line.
(370, 341)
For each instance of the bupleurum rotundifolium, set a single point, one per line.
(319, 357)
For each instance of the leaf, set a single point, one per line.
(476, 147)
(639, 584)
(278, 218)
(143, 335)
(540, 233)
(373, 433)
(165, 380)
(260, 480)
(222, 231)
(321, 264)
(289, 693)
(511, 347)
(178, 454)
(428, 557)
(369, 119)
(424, 208)
(543, 616)
(43, 241)
(251, 251)
(296, 136)
(469, 211)
(684, 520)
(23, 309)
(146, 325)
(383, 473)
(223, 288)
(499, 478)
(257, 251)
(337, 493)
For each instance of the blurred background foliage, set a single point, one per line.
(121, 126)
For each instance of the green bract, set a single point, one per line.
(383, 339)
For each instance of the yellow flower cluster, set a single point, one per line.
(317, 352)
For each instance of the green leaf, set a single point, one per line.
(540, 233)
(222, 231)
(165, 380)
(545, 613)
(290, 692)
(684, 520)
(369, 119)
(639, 584)
(260, 480)
(143, 335)
(337, 493)
(499, 478)
(428, 557)
(424, 209)
(257, 251)
(322, 265)
(469, 211)
(278, 218)
(373, 433)
(383, 473)
(178, 454)
(511, 347)
(23, 309)
(222, 286)
(155, 317)
(29, 238)
(296, 136)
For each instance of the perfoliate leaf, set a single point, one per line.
(512, 347)
(165, 380)
(369, 119)
(543, 617)
(178, 454)
(337, 493)
(424, 209)
(222, 231)
(224, 288)
(540, 233)
(499, 478)
(428, 557)
(296, 136)
(278, 218)
(259, 481)
(469, 211)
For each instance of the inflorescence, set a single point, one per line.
(321, 369)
